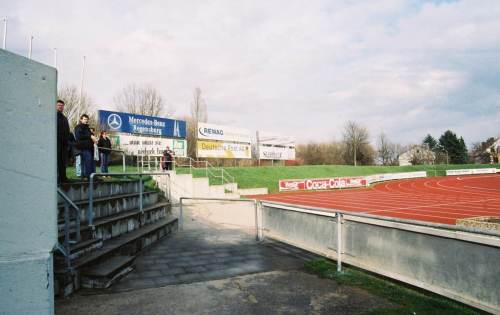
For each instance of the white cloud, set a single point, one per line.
(289, 67)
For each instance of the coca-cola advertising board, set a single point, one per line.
(322, 183)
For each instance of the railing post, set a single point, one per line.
(140, 193)
(181, 217)
(90, 215)
(339, 242)
(123, 161)
(169, 188)
(78, 234)
(222, 176)
(66, 226)
(261, 220)
(257, 234)
(206, 169)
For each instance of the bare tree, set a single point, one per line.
(356, 141)
(388, 152)
(198, 107)
(74, 107)
(198, 114)
(142, 100)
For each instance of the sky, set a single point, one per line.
(295, 68)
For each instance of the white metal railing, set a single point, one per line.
(210, 170)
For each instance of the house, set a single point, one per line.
(417, 154)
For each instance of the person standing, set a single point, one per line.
(63, 134)
(103, 144)
(85, 143)
(168, 156)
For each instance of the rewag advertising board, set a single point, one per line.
(322, 183)
(223, 133)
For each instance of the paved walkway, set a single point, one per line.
(211, 269)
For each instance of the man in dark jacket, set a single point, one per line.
(62, 142)
(85, 143)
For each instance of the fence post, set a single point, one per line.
(123, 161)
(140, 194)
(181, 218)
(91, 200)
(339, 242)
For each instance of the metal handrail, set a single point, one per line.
(67, 241)
(90, 216)
(123, 156)
(209, 169)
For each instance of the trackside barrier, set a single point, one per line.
(456, 262)
(472, 171)
(393, 176)
(343, 182)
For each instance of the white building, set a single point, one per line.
(417, 154)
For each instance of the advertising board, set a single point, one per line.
(276, 153)
(321, 183)
(140, 124)
(153, 146)
(223, 133)
(275, 140)
(472, 171)
(224, 150)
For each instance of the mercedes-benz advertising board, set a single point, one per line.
(141, 124)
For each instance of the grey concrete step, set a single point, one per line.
(117, 243)
(110, 205)
(80, 190)
(103, 275)
(129, 244)
(111, 220)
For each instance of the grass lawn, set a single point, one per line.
(407, 300)
(268, 176)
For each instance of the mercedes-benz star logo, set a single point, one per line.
(114, 121)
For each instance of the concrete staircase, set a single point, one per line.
(106, 251)
(185, 185)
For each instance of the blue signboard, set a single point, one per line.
(140, 124)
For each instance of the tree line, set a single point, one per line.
(353, 149)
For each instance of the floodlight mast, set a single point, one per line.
(81, 85)
(4, 46)
(31, 47)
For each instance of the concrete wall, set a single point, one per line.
(458, 264)
(28, 230)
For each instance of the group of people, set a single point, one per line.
(83, 145)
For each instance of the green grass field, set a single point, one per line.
(268, 176)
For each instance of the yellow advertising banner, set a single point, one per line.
(223, 150)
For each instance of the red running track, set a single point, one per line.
(436, 199)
